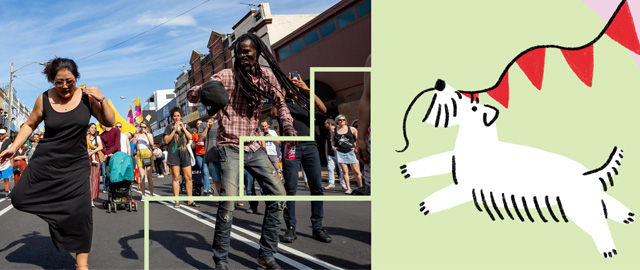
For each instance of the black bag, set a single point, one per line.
(16, 169)
(146, 162)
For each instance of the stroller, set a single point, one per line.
(196, 179)
(120, 178)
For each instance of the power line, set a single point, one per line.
(38, 88)
(144, 32)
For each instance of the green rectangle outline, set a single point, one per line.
(241, 197)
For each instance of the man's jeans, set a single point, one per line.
(332, 163)
(308, 156)
(258, 164)
(204, 170)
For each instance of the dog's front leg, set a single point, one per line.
(429, 166)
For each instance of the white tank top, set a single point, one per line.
(143, 142)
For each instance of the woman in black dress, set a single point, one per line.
(55, 184)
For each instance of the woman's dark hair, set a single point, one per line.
(57, 64)
(251, 91)
(91, 124)
(174, 110)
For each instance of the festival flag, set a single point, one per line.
(581, 62)
(130, 116)
(138, 115)
(501, 93)
(532, 64)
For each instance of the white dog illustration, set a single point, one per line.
(508, 181)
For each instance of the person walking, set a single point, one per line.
(248, 84)
(306, 156)
(344, 138)
(177, 136)
(158, 161)
(143, 140)
(59, 194)
(94, 146)
(212, 158)
(19, 163)
(6, 168)
(332, 160)
(199, 140)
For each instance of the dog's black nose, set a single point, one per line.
(440, 85)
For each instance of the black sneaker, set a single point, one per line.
(290, 235)
(321, 235)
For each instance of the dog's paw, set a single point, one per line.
(630, 218)
(404, 171)
(423, 209)
(610, 254)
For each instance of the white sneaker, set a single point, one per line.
(92, 205)
(142, 200)
(348, 191)
(161, 176)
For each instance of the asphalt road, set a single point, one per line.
(181, 238)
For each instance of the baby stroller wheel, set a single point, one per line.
(114, 206)
(135, 206)
(108, 207)
(130, 206)
(104, 204)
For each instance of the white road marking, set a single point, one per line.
(278, 256)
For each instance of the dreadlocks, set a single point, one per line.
(251, 92)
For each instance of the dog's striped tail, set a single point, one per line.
(610, 168)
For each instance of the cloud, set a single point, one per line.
(148, 19)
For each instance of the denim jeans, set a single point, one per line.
(332, 163)
(258, 164)
(309, 158)
(214, 171)
(250, 188)
(204, 171)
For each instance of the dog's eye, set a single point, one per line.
(474, 108)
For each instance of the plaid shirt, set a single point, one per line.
(233, 119)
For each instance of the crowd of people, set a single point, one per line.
(234, 99)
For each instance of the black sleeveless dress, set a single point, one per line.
(55, 184)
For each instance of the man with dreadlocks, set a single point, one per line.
(248, 84)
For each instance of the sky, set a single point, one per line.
(37, 31)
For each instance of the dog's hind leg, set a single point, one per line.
(616, 211)
(429, 166)
(588, 215)
(445, 198)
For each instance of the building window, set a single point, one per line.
(171, 96)
(297, 46)
(226, 42)
(363, 8)
(346, 18)
(311, 37)
(258, 15)
(327, 28)
(233, 37)
(284, 53)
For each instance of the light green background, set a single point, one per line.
(468, 44)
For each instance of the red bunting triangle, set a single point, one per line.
(501, 92)
(532, 64)
(581, 62)
(623, 30)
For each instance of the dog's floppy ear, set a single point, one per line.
(487, 115)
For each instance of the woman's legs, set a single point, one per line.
(175, 184)
(82, 260)
(188, 184)
(141, 178)
(356, 172)
(345, 173)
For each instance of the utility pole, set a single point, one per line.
(10, 111)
